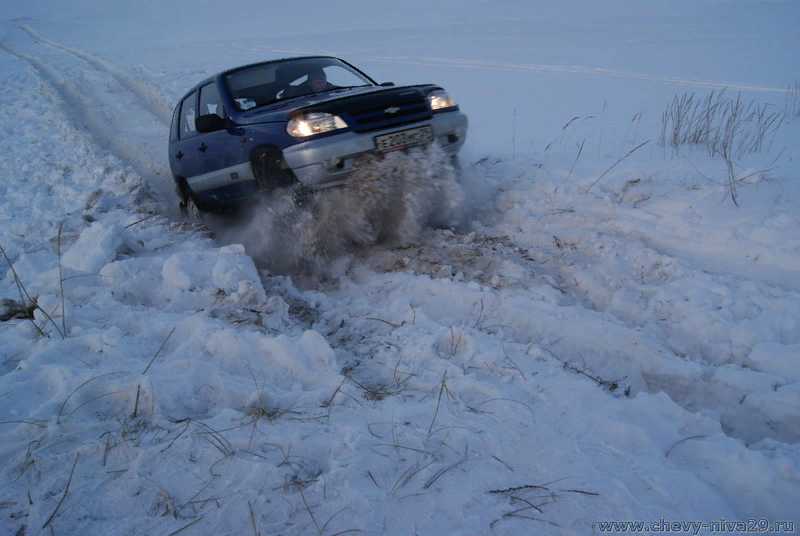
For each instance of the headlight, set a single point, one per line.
(440, 100)
(314, 123)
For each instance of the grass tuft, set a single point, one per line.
(61, 409)
(666, 455)
(531, 498)
(10, 309)
(66, 490)
(442, 389)
(615, 164)
(792, 108)
(158, 351)
(29, 302)
(186, 526)
(61, 282)
(381, 390)
(722, 125)
(725, 127)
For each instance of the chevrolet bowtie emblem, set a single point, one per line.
(392, 110)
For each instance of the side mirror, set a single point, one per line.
(388, 84)
(209, 123)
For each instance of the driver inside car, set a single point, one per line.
(317, 81)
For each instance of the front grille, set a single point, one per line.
(398, 111)
(382, 109)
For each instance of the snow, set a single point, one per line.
(592, 332)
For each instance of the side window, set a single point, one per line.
(210, 101)
(188, 115)
(175, 125)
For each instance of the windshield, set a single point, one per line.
(271, 82)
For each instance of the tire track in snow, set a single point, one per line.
(574, 329)
(111, 125)
(149, 98)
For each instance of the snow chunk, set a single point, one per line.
(235, 270)
(229, 276)
(759, 404)
(97, 246)
(183, 271)
(317, 349)
(778, 359)
(771, 414)
(31, 265)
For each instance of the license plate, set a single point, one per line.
(405, 138)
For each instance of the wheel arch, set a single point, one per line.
(184, 192)
(270, 168)
(181, 187)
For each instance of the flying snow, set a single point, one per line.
(388, 199)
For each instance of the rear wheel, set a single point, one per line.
(190, 206)
(193, 212)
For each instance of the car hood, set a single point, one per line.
(334, 102)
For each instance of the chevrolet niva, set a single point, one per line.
(301, 122)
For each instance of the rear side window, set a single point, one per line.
(210, 101)
(175, 124)
(188, 115)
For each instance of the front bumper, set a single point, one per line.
(329, 161)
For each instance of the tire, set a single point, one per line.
(190, 207)
(270, 169)
(193, 212)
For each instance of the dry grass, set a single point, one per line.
(61, 409)
(792, 104)
(379, 390)
(61, 283)
(158, 351)
(530, 499)
(721, 125)
(610, 385)
(725, 127)
(666, 455)
(30, 303)
(10, 309)
(442, 389)
(260, 410)
(562, 138)
(615, 164)
(66, 490)
(186, 526)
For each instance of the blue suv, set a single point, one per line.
(297, 121)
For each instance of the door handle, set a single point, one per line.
(202, 147)
(179, 155)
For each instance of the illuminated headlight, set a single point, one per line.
(314, 123)
(440, 100)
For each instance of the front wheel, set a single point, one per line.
(271, 170)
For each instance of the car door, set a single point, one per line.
(184, 157)
(228, 174)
